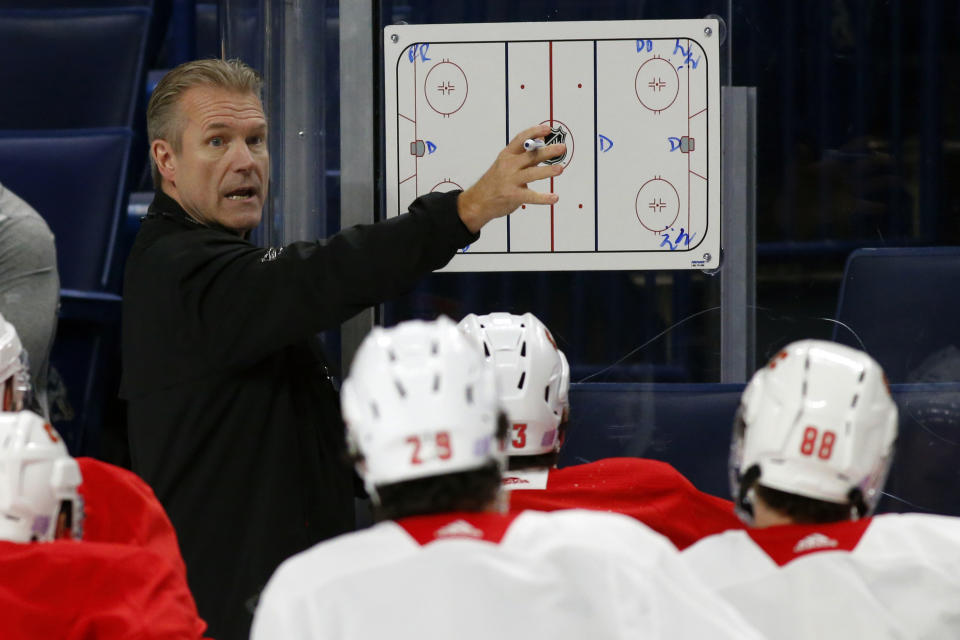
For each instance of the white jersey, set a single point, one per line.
(891, 576)
(567, 574)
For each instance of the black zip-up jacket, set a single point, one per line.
(233, 419)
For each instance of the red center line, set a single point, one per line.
(551, 124)
(416, 165)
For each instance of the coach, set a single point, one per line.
(233, 419)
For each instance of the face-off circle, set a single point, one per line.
(565, 136)
(657, 84)
(446, 185)
(657, 205)
(446, 88)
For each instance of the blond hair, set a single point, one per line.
(163, 116)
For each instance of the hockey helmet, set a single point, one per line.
(533, 377)
(420, 401)
(14, 372)
(817, 421)
(38, 481)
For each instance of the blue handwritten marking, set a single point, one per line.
(674, 143)
(465, 249)
(413, 51)
(687, 55)
(683, 239)
(605, 143)
(644, 45)
(431, 147)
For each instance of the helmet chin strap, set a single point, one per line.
(372, 492)
(858, 507)
(745, 498)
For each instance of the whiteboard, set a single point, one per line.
(636, 103)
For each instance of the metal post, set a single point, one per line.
(304, 184)
(738, 234)
(358, 128)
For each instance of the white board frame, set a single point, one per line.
(701, 253)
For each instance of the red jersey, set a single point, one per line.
(73, 590)
(650, 491)
(121, 508)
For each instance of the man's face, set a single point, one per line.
(220, 174)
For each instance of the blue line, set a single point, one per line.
(596, 154)
(506, 93)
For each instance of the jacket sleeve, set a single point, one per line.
(240, 306)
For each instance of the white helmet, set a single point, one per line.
(14, 373)
(818, 421)
(420, 401)
(38, 481)
(532, 374)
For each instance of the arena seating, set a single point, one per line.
(73, 113)
(900, 307)
(76, 180)
(76, 68)
(689, 426)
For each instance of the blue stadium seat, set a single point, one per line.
(687, 425)
(690, 425)
(901, 307)
(76, 180)
(76, 68)
(73, 4)
(926, 467)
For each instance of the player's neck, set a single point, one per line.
(765, 516)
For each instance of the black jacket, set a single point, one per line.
(232, 417)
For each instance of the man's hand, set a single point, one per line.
(503, 187)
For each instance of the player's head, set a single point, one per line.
(14, 373)
(420, 405)
(38, 482)
(533, 378)
(814, 434)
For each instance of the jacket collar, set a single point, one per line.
(163, 206)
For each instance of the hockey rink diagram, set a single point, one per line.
(639, 117)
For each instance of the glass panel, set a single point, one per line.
(856, 129)
(855, 125)
(613, 326)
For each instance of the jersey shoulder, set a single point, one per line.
(622, 471)
(121, 508)
(600, 531)
(345, 554)
(919, 534)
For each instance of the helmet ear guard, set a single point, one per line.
(741, 482)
